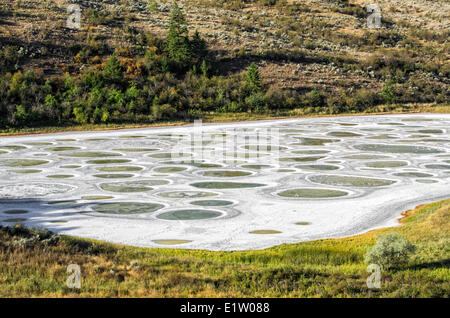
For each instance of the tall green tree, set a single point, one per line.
(177, 44)
(253, 77)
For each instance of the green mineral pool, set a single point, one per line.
(92, 154)
(25, 171)
(312, 193)
(317, 167)
(108, 161)
(386, 164)
(350, 181)
(132, 186)
(169, 169)
(114, 175)
(23, 162)
(127, 208)
(186, 194)
(189, 214)
(225, 185)
(413, 174)
(15, 212)
(265, 232)
(120, 169)
(212, 203)
(397, 148)
(225, 173)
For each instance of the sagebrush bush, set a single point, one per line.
(390, 251)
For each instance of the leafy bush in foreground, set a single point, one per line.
(390, 251)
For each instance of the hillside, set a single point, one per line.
(313, 55)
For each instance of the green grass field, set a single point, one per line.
(323, 268)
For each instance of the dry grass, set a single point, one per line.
(323, 268)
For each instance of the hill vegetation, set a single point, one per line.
(136, 61)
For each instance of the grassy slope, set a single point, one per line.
(323, 268)
(229, 117)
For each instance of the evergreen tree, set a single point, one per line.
(198, 47)
(253, 78)
(113, 71)
(177, 45)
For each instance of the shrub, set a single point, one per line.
(388, 92)
(390, 251)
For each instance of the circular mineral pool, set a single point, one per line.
(426, 181)
(365, 157)
(316, 141)
(264, 147)
(317, 167)
(265, 232)
(194, 164)
(168, 155)
(58, 221)
(62, 148)
(225, 185)
(350, 181)
(114, 175)
(186, 194)
(13, 147)
(189, 214)
(397, 148)
(384, 136)
(70, 167)
(3, 152)
(97, 139)
(132, 137)
(302, 223)
(212, 203)
(60, 176)
(285, 170)
(302, 159)
(392, 124)
(127, 208)
(246, 155)
(343, 134)
(225, 173)
(311, 152)
(23, 162)
(171, 242)
(108, 161)
(431, 131)
(96, 197)
(66, 140)
(386, 164)
(256, 167)
(438, 166)
(14, 212)
(25, 171)
(137, 149)
(15, 220)
(312, 193)
(132, 186)
(169, 169)
(92, 154)
(119, 168)
(413, 174)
